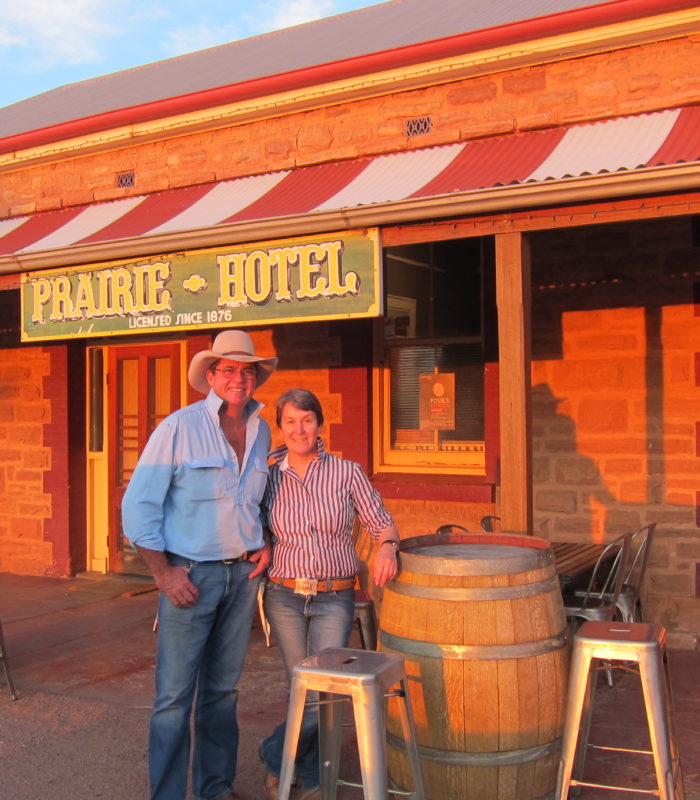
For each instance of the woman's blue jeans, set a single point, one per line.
(304, 625)
(202, 648)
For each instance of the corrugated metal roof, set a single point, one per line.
(370, 30)
(626, 143)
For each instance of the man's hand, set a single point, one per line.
(263, 558)
(176, 585)
(174, 582)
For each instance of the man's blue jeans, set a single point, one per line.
(202, 648)
(303, 626)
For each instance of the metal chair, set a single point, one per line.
(264, 624)
(366, 619)
(6, 665)
(488, 523)
(628, 603)
(365, 613)
(599, 600)
(451, 527)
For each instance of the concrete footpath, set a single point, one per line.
(81, 653)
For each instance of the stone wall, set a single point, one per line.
(25, 460)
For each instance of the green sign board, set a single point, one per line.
(330, 276)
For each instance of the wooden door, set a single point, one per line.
(144, 387)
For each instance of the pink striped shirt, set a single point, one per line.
(311, 520)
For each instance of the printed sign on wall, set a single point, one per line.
(329, 276)
(437, 401)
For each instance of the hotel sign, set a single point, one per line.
(330, 276)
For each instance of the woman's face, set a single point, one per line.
(299, 430)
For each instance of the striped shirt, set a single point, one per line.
(311, 520)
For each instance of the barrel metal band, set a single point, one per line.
(468, 593)
(499, 758)
(466, 652)
(528, 560)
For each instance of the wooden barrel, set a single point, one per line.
(479, 621)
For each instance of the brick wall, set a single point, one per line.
(638, 79)
(616, 401)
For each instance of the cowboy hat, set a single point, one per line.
(235, 346)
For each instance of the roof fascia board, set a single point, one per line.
(341, 82)
(589, 188)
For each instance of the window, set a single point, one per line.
(430, 383)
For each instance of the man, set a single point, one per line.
(192, 510)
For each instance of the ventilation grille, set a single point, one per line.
(417, 126)
(125, 179)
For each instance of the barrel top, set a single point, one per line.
(471, 551)
(474, 554)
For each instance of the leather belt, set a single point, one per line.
(314, 585)
(226, 561)
(242, 557)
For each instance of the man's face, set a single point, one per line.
(233, 381)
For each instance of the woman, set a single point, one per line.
(311, 501)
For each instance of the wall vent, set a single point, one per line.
(125, 179)
(417, 126)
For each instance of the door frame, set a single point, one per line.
(99, 472)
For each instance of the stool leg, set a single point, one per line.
(330, 719)
(368, 706)
(368, 625)
(578, 689)
(297, 698)
(658, 715)
(409, 735)
(586, 717)
(675, 755)
(6, 666)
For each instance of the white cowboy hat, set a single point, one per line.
(235, 346)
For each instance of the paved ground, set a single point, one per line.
(81, 655)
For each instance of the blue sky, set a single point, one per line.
(49, 43)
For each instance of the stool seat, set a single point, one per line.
(609, 641)
(363, 676)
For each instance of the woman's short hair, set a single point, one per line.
(301, 399)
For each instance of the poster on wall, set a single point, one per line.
(437, 401)
(329, 276)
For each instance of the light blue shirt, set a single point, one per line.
(187, 495)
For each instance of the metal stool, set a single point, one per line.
(638, 642)
(365, 677)
(6, 666)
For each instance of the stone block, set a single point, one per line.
(22, 528)
(479, 91)
(526, 81)
(672, 584)
(556, 500)
(603, 415)
(574, 528)
(576, 471)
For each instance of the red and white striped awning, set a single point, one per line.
(410, 178)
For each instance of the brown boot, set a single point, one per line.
(272, 785)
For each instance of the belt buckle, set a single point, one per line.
(305, 586)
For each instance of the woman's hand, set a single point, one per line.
(385, 565)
